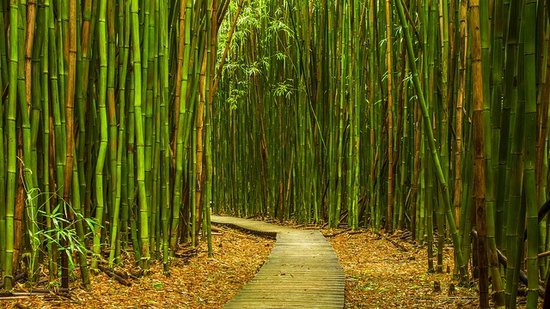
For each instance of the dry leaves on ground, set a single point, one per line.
(198, 282)
(379, 274)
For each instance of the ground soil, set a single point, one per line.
(382, 271)
(194, 282)
(389, 272)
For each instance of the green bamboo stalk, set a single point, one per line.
(112, 151)
(101, 157)
(339, 138)
(147, 59)
(406, 156)
(444, 106)
(131, 169)
(390, 206)
(12, 144)
(83, 67)
(4, 75)
(434, 108)
(59, 88)
(55, 106)
(24, 87)
(153, 96)
(121, 176)
(372, 86)
(430, 197)
(62, 47)
(3, 82)
(333, 157)
(165, 173)
(497, 78)
(212, 53)
(511, 165)
(357, 125)
(416, 216)
(46, 137)
(530, 120)
(490, 148)
(139, 134)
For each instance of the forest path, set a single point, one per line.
(302, 270)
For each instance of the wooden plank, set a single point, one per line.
(302, 270)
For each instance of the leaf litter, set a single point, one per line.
(194, 282)
(391, 271)
(381, 272)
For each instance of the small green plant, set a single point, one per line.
(61, 233)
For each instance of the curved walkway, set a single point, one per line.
(302, 270)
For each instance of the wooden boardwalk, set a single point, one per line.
(302, 270)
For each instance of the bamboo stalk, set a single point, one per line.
(479, 158)
(12, 145)
(139, 134)
(101, 157)
(530, 120)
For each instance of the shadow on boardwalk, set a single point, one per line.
(302, 271)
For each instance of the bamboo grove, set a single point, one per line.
(429, 116)
(105, 113)
(124, 122)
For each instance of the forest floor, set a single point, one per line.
(194, 282)
(390, 271)
(382, 271)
